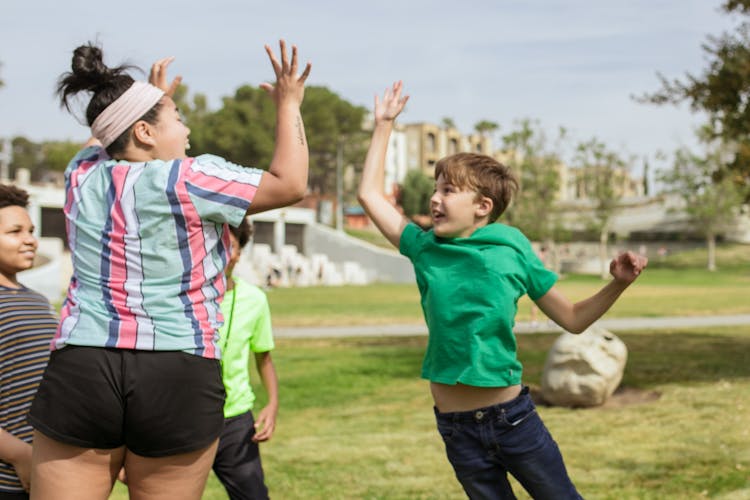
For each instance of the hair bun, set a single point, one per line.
(88, 64)
(89, 73)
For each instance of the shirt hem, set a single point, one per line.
(474, 383)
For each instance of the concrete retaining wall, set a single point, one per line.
(381, 264)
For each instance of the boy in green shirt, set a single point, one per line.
(246, 329)
(471, 272)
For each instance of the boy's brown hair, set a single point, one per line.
(483, 174)
(11, 196)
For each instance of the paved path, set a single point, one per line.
(615, 324)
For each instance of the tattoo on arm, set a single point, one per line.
(300, 133)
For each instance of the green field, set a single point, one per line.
(658, 292)
(370, 433)
(356, 419)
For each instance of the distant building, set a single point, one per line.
(355, 217)
(575, 184)
(511, 158)
(427, 143)
(46, 203)
(578, 184)
(396, 164)
(415, 146)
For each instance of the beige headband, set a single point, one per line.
(125, 111)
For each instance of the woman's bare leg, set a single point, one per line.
(66, 472)
(178, 477)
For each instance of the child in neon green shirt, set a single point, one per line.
(246, 330)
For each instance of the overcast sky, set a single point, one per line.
(574, 63)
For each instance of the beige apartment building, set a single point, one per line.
(575, 183)
(420, 145)
(625, 185)
(427, 143)
(511, 157)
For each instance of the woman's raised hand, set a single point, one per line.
(158, 76)
(289, 86)
(392, 104)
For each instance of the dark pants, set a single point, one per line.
(486, 444)
(22, 495)
(237, 463)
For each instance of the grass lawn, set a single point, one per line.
(658, 292)
(372, 236)
(356, 421)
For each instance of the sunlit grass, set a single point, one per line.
(728, 256)
(658, 292)
(356, 421)
(370, 236)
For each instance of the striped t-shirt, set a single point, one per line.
(149, 243)
(27, 324)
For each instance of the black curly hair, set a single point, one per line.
(89, 73)
(11, 196)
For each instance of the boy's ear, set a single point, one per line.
(143, 133)
(484, 207)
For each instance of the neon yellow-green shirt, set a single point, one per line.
(246, 329)
(470, 288)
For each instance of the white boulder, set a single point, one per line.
(583, 369)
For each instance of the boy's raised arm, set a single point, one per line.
(371, 192)
(575, 318)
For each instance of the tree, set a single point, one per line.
(600, 170)
(26, 154)
(57, 154)
(243, 130)
(537, 165)
(646, 170)
(486, 127)
(711, 198)
(722, 91)
(328, 120)
(447, 122)
(40, 157)
(416, 192)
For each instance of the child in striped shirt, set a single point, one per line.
(27, 324)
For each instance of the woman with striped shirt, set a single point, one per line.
(134, 379)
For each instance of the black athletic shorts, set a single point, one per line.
(156, 403)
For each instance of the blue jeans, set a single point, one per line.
(486, 444)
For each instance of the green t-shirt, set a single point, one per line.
(470, 288)
(246, 329)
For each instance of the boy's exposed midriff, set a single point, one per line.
(460, 397)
